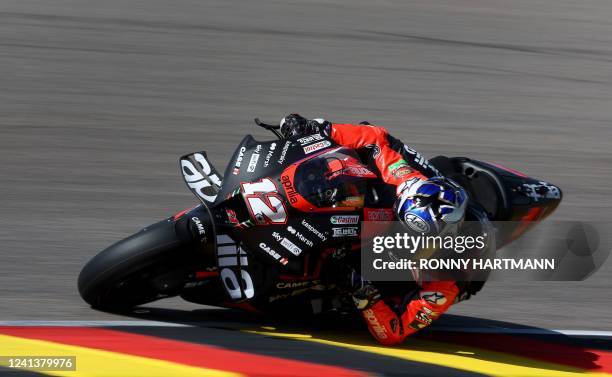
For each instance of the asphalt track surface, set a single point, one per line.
(99, 99)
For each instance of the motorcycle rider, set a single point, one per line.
(422, 194)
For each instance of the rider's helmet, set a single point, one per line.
(435, 207)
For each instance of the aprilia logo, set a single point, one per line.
(289, 190)
(379, 330)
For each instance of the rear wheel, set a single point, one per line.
(151, 264)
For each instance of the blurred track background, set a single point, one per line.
(98, 99)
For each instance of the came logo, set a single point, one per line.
(199, 225)
(344, 219)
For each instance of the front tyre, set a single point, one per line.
(151, 264)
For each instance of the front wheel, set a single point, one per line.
(151, 264)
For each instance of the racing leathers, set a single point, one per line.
(391, 319)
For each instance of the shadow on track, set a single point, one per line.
(506, 344)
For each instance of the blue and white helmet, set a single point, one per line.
(433, 207)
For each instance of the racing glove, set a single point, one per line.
(297, 125)
(364, 293)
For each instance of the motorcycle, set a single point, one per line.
(270, 233)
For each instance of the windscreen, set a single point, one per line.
(333, 180)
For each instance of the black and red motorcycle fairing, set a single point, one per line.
(279, 224)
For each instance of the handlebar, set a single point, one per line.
(270, 127)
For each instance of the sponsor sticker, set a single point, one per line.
(379, 330)
(400, 169)
(316, 146)
(345, 232)
(199, 225)
(287, 244)
(397, 165)
(344, 219)
(379, 214)
(273, 253)
(359, 171)
(423, 317)
(309, 139)
(254, 159)
(436, 298)
(314, 230)
(295, 284)
(300, 236)
(269, 155)
(281, 158)
(238, 162)
(293, 248)
(542, 190)
(416, 223)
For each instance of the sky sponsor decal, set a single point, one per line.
(254, 159)
(287, 244)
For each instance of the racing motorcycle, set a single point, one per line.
(270, 233)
